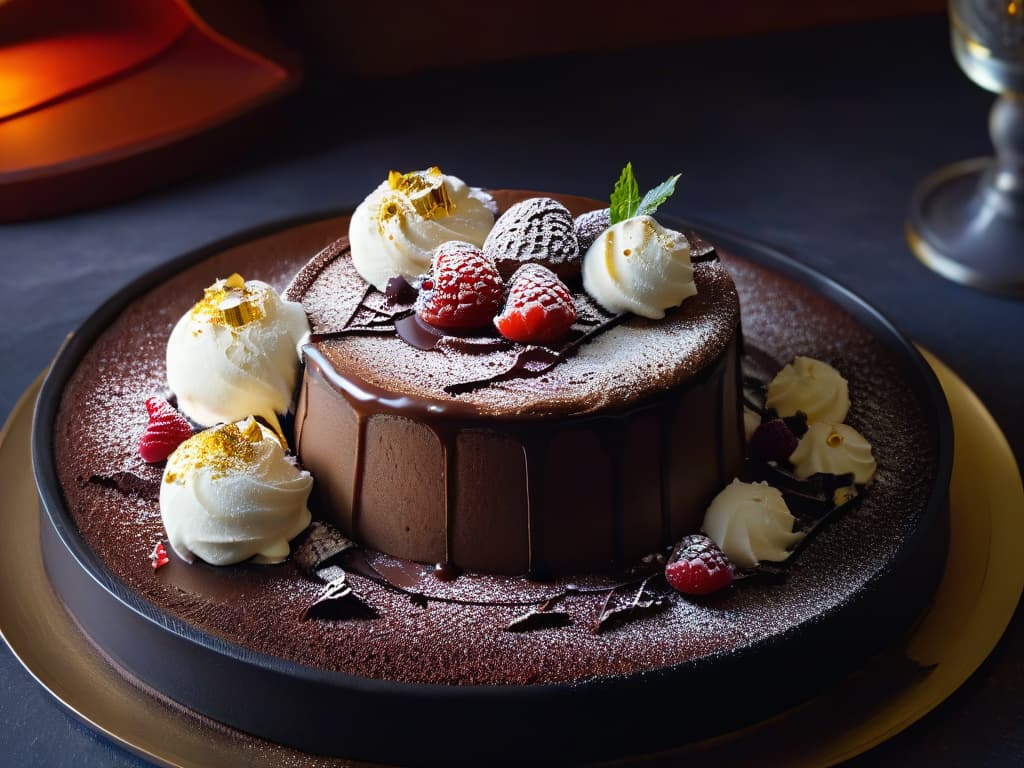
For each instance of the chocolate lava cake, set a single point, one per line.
(464, 455)
(559, 631)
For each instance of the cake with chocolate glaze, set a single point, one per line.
(509, 458)
(487, 648)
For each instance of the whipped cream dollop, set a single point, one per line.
(230, 493)
(750, 522)
(837, 449)
(811, 386)
(236, 353)
(395, 230)
(639, 266)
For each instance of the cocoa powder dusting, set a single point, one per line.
(103, 414)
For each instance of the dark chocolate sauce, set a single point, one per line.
(418, 334)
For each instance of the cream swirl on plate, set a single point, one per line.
(750, 522)
(229, 494)
(395, 230)
(236, 353)
(836, 449)
(811, 386)
(639, 266)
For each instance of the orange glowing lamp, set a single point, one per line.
(101, 99)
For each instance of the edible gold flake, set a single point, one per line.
(236, 311)
(843, 495)
(426, 191)
(229, 302)
(222, 450)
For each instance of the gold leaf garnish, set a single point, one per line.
(229, 302)
(236, 311)
(224, 449)
(426, 191)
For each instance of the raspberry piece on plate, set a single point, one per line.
(539, 308)
(773, 441)
(463, 291)
(698, 567)
(167, 429)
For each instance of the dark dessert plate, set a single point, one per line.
(447, 683)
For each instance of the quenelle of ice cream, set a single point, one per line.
(395, 230)
(236, 353)
(811, 386)
(639, 266)
(750, 522)
(836, 449)
(230, 493)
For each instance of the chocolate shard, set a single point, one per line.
(399, 292)
(539, 619)
(338, 601)
(700, 249)
(130, 484)
(620, 607)
(322, 544)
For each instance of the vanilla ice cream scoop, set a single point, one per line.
(395, 230)
(236, 353)
(639, 266)
(230, 493)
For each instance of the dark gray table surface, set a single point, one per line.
(809, 141)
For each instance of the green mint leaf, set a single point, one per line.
(657, 196)
(625, 196)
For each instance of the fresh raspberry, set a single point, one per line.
(464, 289)
(773, 441)
(158, 557)
(167, 429)
(539, 307)
(698, 567)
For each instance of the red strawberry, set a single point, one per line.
(698, 567)
(167, 429)
(464, 289)
(773, 441)
(539, 307)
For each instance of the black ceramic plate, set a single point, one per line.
(788, 309)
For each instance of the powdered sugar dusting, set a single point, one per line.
(637, 359)
(103, 414)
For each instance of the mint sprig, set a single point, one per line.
(625, 196)
(626, 202)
